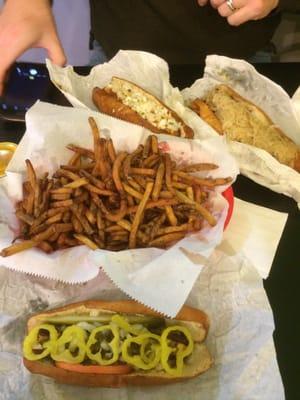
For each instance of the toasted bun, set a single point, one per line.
(125, 100)
(244, 122)
(200, 360)
(124, 306)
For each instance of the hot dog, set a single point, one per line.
(115, 344)
(129, 102)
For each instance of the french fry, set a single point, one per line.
(77, 183)
(154, 144)
(168, 173)
(142, 171)
(208, 182)
(147, 147)
(80, 150)
(67, 174)
(60, 196)
(165, 240)
(78, 228)
(130, 200)
(17, 248)
(171, 229)
(111, 150)
(96, 182)
(62, 203)
(83, 220)
(45, 246)
(55, 218)
(64, 227)
(132, 192)
(171, 216)
(66, 216)
(116, 171)
(165, 194)
(158, 181)
(85, 240)
(202, 210)
(62, 190)
(190, 193)
(150, 161)
(137, 218)
(152, 204)
(25, 217)
(44, 235)
(90, 217)
(74, 160)
(199, 167)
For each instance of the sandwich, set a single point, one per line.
(240, 120)
(127, 101)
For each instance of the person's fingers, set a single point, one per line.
(202, 2)
(225, 11)
(245, 10)
(2, 79)
(217, 3)
(55, 50)
(8, 56)
(241, 15)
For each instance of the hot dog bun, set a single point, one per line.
(231, 114)
(196, 320)
(125, 100)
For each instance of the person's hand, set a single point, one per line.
(239, 11)
(25, 24)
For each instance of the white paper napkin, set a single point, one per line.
(255, 232)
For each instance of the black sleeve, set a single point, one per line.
(289, 5)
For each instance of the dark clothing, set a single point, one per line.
(178, 30)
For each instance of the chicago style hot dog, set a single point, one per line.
(114, 344)
(129, 102)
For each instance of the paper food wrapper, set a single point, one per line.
(284, 111)
(144, 69)
(228, 288)
(161, 279)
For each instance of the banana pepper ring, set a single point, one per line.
(124, 324)
(180, 351)
(70, 347)
(35, 348)
(113, 344)
(149, 351)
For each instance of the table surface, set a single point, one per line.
(282, 285)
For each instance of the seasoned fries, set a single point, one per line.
(113, 201)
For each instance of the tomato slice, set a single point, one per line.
(118, 369)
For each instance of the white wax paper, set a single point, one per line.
(49, 129)
(144, 69)
(228, 288)
(255, 163)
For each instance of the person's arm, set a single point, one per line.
(244, 10)
(24, 25)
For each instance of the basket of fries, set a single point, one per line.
(113, 201)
